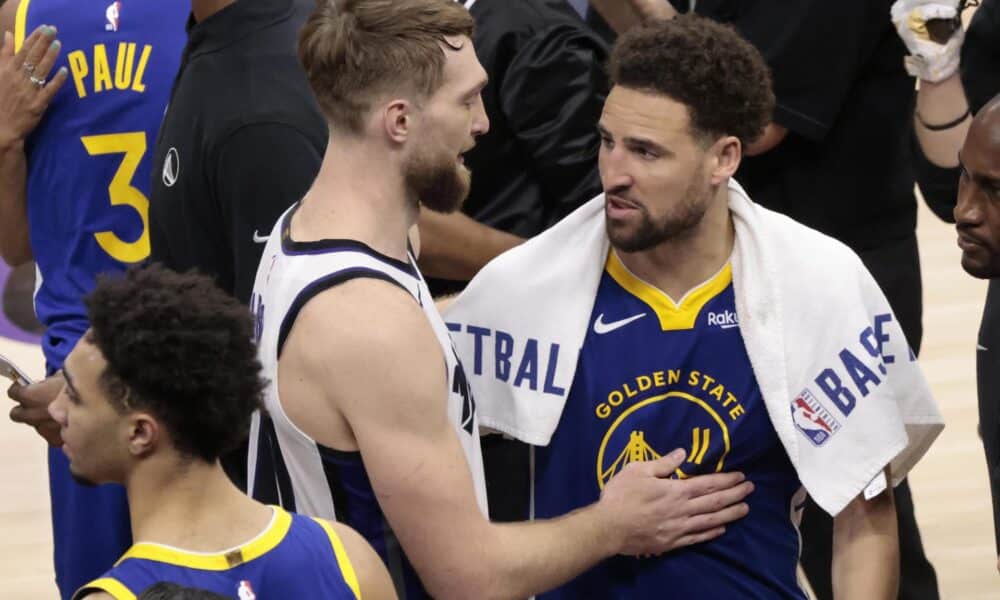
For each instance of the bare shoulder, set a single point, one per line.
(368, 323)
(372, 576)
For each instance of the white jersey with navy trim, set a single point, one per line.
(290, 273)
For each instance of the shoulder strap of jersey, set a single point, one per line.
(107, 584)
(343, 561)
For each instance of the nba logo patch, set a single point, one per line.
(245, 592)
(814, 421)
(112, 13)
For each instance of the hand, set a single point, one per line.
(654, 514)
(24, 95)
(33, 407)
(929, 60)
(653, 9)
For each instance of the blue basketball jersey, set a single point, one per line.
(89, 160)
(654, 376)
(295, 557)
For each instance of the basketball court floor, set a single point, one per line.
(949, 485)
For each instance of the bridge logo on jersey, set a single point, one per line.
(171, 168)
(112, 14)
(814, 421)
(245, 591)
(641, 433)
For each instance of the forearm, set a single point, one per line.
(529, 558)
(14, 242)
(866, 549)
(623, 15)
(937, 104)
(456, 247)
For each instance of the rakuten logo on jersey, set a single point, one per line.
(726, 319)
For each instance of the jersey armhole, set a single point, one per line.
(321, 285)
(105, 584)
(20, 22)
(343, 561)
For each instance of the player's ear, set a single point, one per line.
(397, 120)
(725, 155)
(144, 433)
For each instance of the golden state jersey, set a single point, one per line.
(89, 163)
(295, 557)
(653, 376)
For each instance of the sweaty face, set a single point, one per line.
(652, 168)
(91, 428)
(450, 121)
(977, 214)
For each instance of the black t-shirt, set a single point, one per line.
(241, 141)
(846, 100)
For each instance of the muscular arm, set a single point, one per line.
(866, 549)
(392, 396)
(939, 103)
(453, 246)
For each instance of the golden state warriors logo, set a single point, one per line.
(655, 426)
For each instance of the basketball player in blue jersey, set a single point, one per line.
(163, 382)
(369, 418)
(664, 364)
(76, 186)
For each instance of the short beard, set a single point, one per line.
(649, 234)
(440, 184)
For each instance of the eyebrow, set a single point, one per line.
(69, 382)
(634, 141)
(980, 178)
(480, 85)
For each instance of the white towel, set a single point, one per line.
(842, 388)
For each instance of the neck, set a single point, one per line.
(203, 9)
(190, 504)
(358, 194)
(681, 263)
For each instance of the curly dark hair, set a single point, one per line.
(707, 66)
(181, 348)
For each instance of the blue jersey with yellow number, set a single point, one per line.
(295, 557)
(89, 160)
(654, 376)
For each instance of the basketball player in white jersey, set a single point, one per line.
(369, 418)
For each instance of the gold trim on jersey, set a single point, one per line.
(222, 561)
(673, 316)
(343, 561)
(112, 586)
(20, 21)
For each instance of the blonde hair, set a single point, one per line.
(355, 50)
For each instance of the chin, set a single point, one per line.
(82, 479)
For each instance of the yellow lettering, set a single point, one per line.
(674, 376)
(78, 67)
(730, 398)
(603, 411)
(658, 379)
(708, 381)
(644, 383)
(102, 70)
(717, 392)
(692, 378)
(630, 392)
(615, 398)
(123, 66)
(137, 84)
(122, 192)
(735, 411)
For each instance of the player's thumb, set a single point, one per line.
(8, 44)
(665, 466)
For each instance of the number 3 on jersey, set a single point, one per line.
(133, 146)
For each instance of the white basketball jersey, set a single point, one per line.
(289, 275)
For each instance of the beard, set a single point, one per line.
(437, 181)
(650, 232)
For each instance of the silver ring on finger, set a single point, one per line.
(28, 68)
(38, 83)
